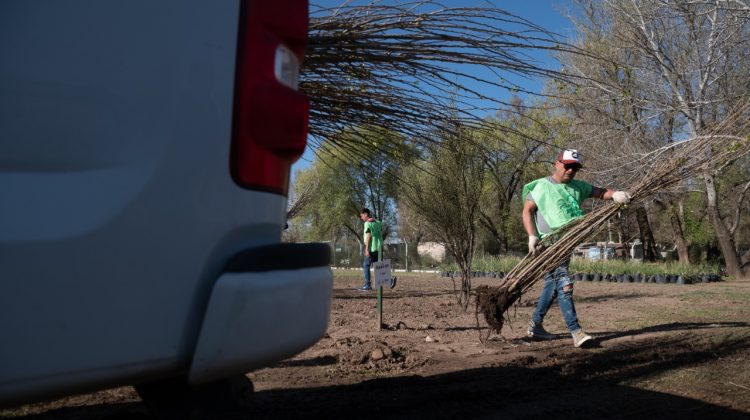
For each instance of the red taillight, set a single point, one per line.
(269, 128)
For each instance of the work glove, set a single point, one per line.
(621, 197)
(533, 241)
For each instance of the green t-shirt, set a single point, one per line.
(557, 203)
(375, 227)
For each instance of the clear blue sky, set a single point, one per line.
(548, 14)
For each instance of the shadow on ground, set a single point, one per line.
(671, 327)
(584, 385)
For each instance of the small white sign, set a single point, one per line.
(382, 270)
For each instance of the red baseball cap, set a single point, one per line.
(569, 156)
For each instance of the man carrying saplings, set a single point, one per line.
(549, 204)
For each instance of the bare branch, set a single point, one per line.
(401, 65)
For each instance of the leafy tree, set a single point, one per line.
(445, 189)
(362, 174)
(659, 72)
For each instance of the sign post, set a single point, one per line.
(382, 271)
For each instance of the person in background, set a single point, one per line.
(373, 240)
(549, 204)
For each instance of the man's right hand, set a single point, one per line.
(533, 242)
(621, 197)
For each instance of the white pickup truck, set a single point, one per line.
(145, 151)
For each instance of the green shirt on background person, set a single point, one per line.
(375, 228)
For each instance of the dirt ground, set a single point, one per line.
(663, 351)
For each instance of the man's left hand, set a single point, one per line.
(621, 197)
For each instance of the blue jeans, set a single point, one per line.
(366, 262)
(555, 283)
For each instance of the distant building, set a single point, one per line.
(434, 250)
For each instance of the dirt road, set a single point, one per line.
(664, 351)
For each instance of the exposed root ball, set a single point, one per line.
(492, 302)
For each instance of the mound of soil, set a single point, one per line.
(374, 354)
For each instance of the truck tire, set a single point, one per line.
(175, 398)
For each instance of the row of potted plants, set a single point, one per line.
(624, 271)
(613, 278)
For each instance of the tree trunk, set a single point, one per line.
(463, 294)
(726, 243)
(647, 237)
(678, 235)
(463, 255)
(620, 229)
(745, 261)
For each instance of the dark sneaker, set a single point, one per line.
(538, 332)
(393, 282)
(365, 289)
(580, 337)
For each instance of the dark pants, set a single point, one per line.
(366, 267)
